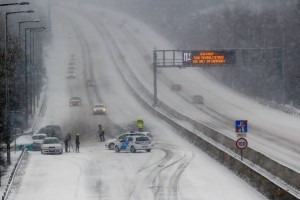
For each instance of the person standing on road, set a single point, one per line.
(77, 142)
(140, 124)
(67, 140)
(53, 133)
(101, 133)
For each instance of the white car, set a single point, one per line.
(71, 75)
(99, 109)
(110, 144)
(38, 140)
(51, 145)
(133, 144)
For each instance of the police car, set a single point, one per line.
(110, 144)
(134, 143)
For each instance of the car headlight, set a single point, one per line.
(94, 109)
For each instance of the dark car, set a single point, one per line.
(71, 67)
(72, 63)
(90, 83)
(75, 101)
(198, 99)
(52, 131)
(176, 87)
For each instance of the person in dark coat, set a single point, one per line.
(77, 142)
(67, 140)
(53, 133)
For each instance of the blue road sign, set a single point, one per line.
(241, 126)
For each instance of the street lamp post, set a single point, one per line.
(6, 126)
(24, 72)
(37, 63)
(29, 88)
(12, 4)
(23, 22)
(9, 4)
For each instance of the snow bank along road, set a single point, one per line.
(175, 169)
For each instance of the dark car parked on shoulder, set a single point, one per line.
(198, 99)
(75, 101)
(176, 87)
(52, 131)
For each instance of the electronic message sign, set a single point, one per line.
(208, 57)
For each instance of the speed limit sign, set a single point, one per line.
(241, 143)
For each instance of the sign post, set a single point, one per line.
(241, 144)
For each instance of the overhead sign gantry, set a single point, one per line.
(189, 58)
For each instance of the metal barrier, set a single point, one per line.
(13, 175)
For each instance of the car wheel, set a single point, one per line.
(111, 146)
(148, 150)
(132, 149)
(117, 149)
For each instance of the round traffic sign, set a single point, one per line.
(241, 143)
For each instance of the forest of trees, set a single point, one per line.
(17, 96)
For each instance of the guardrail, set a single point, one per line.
(13, 175)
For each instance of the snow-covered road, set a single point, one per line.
(271, 132)
(174, 169)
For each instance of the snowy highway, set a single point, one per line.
(272, 132)
(174, 169)
(105, 41)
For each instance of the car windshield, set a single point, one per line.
(99, 106)
(75, 99)
(51, 141)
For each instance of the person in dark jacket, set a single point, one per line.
(77, 142)
(67, 140)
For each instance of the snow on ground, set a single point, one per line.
(97, 173)
(272, 132)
